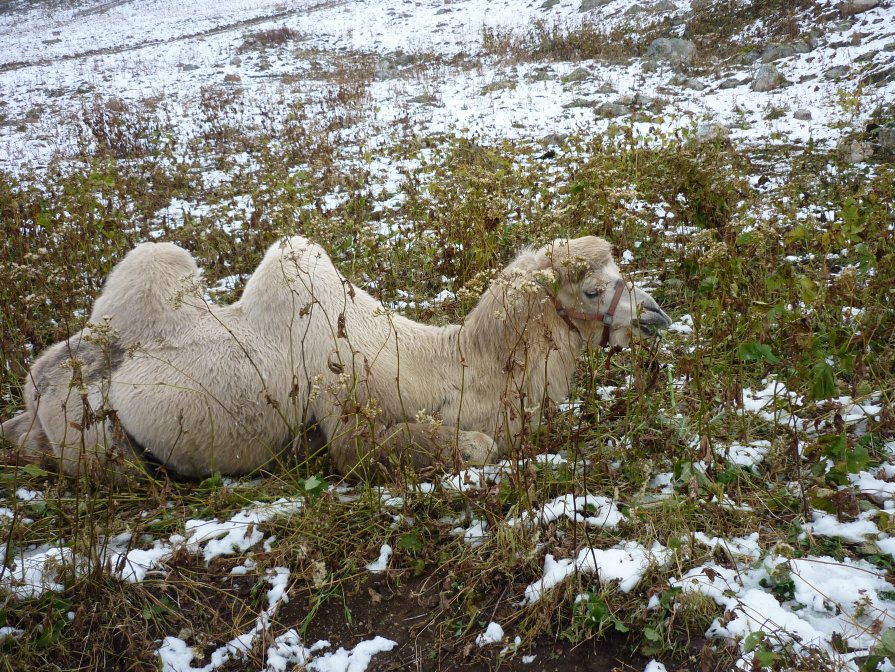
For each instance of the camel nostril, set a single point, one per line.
(653, 318)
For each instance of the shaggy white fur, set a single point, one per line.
(204, 388)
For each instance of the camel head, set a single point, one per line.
(591, 296)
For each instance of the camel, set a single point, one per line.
(162, 373)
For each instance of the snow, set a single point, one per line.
(626, 563)
(829, 597)
(381, 563)
(64, 56)
(493, 635)
(62, 60)
(355, 660)
(593, 510)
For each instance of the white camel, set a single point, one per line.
(161, 373)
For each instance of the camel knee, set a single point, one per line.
(477, 447)
(26, 437)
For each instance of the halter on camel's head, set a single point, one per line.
(607, 318)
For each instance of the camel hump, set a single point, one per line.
(152, 290)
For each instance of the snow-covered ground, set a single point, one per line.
(55, 60)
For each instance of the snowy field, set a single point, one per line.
(433, 70)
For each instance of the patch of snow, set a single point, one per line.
(381, 563)
(626, 563)
(493, 635)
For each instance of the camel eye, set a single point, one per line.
(592, 293)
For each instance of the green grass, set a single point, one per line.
(764, 282)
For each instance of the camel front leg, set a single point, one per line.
(418, 445)
(27, 438)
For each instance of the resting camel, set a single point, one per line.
(161, 373)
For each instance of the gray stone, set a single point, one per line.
(867, 56)
(642, 101)
(886, 138)
(748, 58)
(577, 75)
(612, 110)
(852, 7)
(802, 114)
(663, 6)
(856, 151)
(774, 52)
(549, 4)
(889, 46)
(694, 84)
(712, 133)
(499, 85)
(672, 49)
(732, 83)
(587, 5)
(385, 69)
(802, 47)
(699, 5)
(767, 78)
(606, 87)
(837, 72)
(424, 99)
(634, 9)
(581, 102)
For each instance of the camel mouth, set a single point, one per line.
(652, 321)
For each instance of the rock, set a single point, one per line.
(802, 114)
(712, 133)
(774, 52)
(886, 138)
(634, 9)
(384, 69)
(802, 47)
(748, 58)
(672, 49)
(663, 6)
(836, 72)
(499, 85)
(642, 101)
(232, 78)
(580, 102)
(694, 84)
(577, 75)
(732, 83)
(856, 151)
(549, 4)
(424, 99)
(867, 56)
(606, 87)
(767, 78)
(852, 7)
(889, 46)
(587, 5)
(612, 110)
(700, 5)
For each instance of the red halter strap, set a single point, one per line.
(607, 318)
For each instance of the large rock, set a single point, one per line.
(775, 52)
(767, 78)
(856, 151)
(612, 110)
(587, 5)
(886, 138)
(852, 7)
(837, 72)
(675, 50)
(712, 133)
(802, 114)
